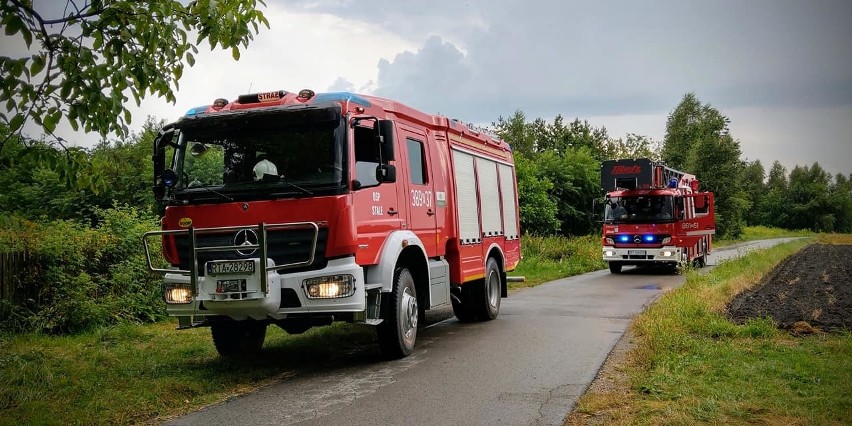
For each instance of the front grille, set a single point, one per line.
(283, 246)
(638, 257)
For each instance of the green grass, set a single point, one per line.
(553, 257)
(550, 258)
(131, 374)
(691, 365)
(751, 233)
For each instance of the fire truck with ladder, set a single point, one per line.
(653, 214)
(302, 209)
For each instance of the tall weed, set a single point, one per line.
(70, 277)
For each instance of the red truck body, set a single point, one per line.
(357, 209)
(654, 215)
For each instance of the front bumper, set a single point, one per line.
(285, 294)
(637, 256)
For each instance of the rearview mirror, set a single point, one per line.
(163, 139)
(198, 149)
(386, 139)
(386, 173)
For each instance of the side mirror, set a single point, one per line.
(386, 173)
(198, 149)
(386, 139)
(164, 138)
(169, 178)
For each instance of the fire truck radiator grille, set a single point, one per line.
(283, 246)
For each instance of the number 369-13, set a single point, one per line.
(421, 198)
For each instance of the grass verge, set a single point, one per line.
(689, 364)
(751, 233)
(549, 258)
(131, 374)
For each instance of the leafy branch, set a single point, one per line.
(80, 65)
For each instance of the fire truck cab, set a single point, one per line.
(653, 214)
(301, 209)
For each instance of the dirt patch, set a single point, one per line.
(808, 292)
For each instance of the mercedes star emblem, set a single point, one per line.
(246, 237)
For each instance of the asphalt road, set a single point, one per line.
(527, 367)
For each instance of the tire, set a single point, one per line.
(398, 332)
(615, 267)
(237, 338)
(486, 294)
(462, 308)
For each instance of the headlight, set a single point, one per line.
(330, 287)
(609, 253)
(667, 253)
(609, 240)
(177, 294)
(666, 240)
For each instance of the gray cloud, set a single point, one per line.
(548, 57)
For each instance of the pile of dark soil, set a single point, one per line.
(812, 289)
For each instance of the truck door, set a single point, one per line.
(700, 218)
(420, 197)
(376, 205)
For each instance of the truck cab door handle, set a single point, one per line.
(392, 212)
(430, 212)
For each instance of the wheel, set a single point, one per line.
(485, 295)
(699, 262)
(398, 331)
(462, 307)
(237, 338)
(614, 267)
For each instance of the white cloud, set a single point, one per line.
(300, 50)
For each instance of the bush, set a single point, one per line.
(67, 277)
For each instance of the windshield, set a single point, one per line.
(284, 161)
(645, 209)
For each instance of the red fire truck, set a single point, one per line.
(654, 215)
(301, 209)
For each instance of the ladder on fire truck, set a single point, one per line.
(664, 176)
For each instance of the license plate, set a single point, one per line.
(230, 267)
(230, 286)
(635, 252)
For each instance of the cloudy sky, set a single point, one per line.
(780, 70)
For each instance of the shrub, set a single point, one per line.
(66, 277)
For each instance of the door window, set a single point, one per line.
(417, 162)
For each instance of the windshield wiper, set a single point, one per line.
(191, 191)
(279, 179)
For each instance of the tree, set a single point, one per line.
(633, 146)
(538, 209)
(841, 199)
(118, 173)
(85, 58)
(687, 125)
(557, 169)
(516, 131)
(755, 189)
(772, 211)
(698, 141)
(808, 203)
(576, 180)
